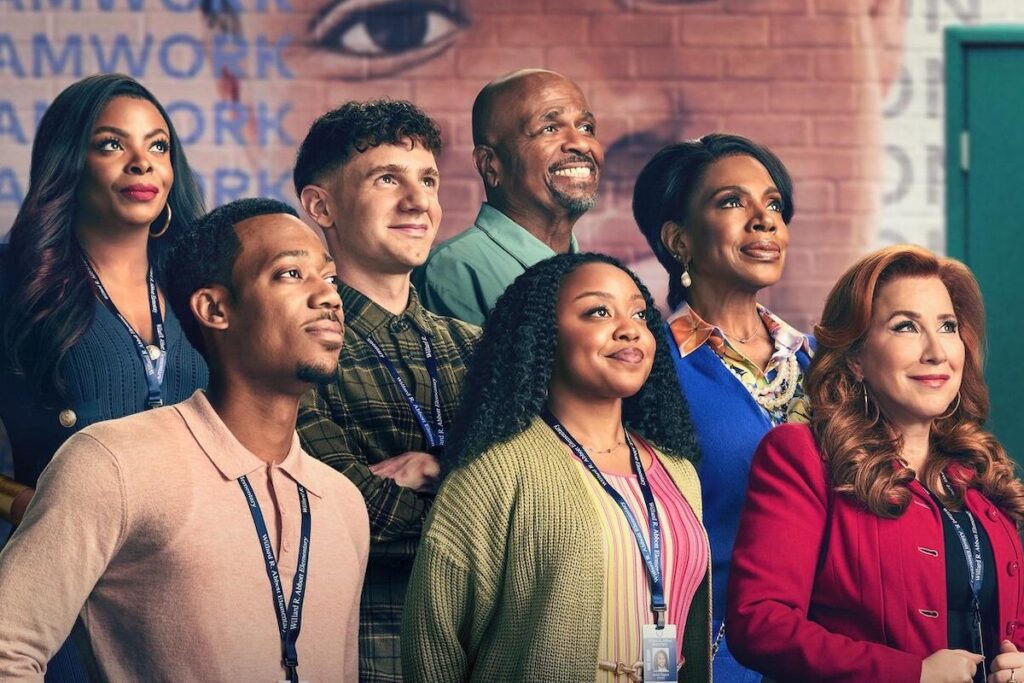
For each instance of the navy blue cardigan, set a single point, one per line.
(104, 379)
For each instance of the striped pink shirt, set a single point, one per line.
(627, 598)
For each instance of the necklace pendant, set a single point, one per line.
(153, 351)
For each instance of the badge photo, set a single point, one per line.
(660, 661)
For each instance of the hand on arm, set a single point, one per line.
(395, 511)
(414, 470)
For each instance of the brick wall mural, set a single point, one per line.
(847, 92)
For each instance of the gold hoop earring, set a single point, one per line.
(864, 389)
(167, 223)
(956, 407)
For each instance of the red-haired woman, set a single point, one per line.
(898, 512)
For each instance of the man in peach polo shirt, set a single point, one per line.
(198, 541)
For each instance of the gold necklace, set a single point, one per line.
(743, 340)
(606, 451)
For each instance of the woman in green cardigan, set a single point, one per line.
(565, 546)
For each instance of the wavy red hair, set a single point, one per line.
(862, 450)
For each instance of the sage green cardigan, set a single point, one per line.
(509, 577)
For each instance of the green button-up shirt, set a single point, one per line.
(464, 276)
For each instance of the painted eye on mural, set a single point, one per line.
(387, 28)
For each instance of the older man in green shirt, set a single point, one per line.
(540, 160)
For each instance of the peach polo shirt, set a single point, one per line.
(139, 527)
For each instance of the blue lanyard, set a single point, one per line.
(154, 358)
(434, 434)
(289, 618)
(972, 551)
(652, 555)
(975, 566)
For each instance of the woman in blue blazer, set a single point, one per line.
(715, 211)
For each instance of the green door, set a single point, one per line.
(985, 201)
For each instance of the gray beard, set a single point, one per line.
(576, 205)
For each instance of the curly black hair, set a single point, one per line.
(356, 127)
(667, 182)
(205, 255)
(506, 385)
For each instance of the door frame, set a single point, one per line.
(958, 39)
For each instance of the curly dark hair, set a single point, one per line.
(356, 127)
(48, 296)
(205, 255)
(667, 182)
(862, 447)
(506, 385)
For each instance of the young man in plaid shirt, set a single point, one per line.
(367, 175)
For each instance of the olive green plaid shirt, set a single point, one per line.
(362, 418)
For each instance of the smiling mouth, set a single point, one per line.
(632, 355)
(575, 172)
(412, 229)
(140, 193)
(762, 251)
(933, 381)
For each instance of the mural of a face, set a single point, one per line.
(806, 79)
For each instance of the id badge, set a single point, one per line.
(659, 645)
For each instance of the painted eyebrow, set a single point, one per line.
(604, 295)
(742, 190)
(913, 315)
(123, 133)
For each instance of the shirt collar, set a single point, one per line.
(514, 238)
(690, 332)
(364, 316)
(231, 458)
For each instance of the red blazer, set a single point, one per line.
(823, 590)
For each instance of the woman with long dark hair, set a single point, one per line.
(898, 512)
(572, 444)
(85, 334)
(716, 212)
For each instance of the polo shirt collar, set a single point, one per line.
(231, 458)
(364, 316)
(514, 238)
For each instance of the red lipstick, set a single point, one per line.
(141, 192)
